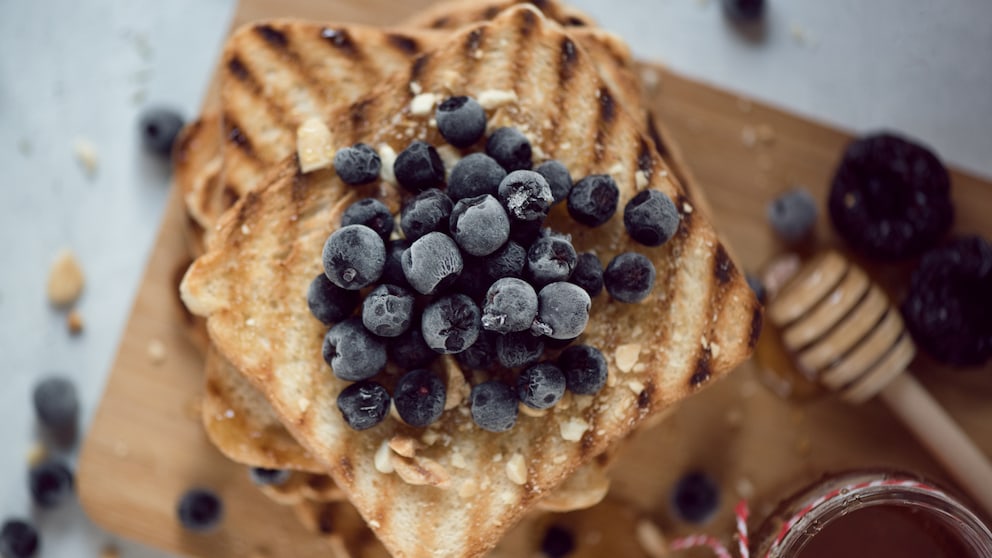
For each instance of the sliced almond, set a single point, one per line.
(383, 459)
(516, 469)
(313, 145)
(421, 471)
(458, 389)
(572, 429)
(626, 356)
(495, 98)
(404, 445)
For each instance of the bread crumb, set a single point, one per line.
(626, 356)
(403, 445)
(314, 147)
(430, 437)
(374, 524)
(156, 351)
(495, 98)
(86, 154)
(36, 454)
(714, 350)
(382, 459)
(651, 540)
(74, 321)
(583, 402)
(458, 460)
(635, 386)
(686, 208)
(558, 459)
(516, 469)
(387, 156)
(245, 230)
(303, 403)
(498, 457)
(468, 489)
(422, 104)
(573, 429)
(640, 367)
(65, 279)
(250, 322)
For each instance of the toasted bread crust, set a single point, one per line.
(702, 316)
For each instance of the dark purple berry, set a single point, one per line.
(432, 263)
(651, 218)
(541, 386)
(479, 225)
(563, 311)
(330, 303)
(551, 258)
(427, 212)
(451, 324)
(18, 539)
(419, 167)
(358, 164)
(476, 174)
(588, 274)
(369, 212)
(392, 270)
(352, 352)
(558, 542)
(51, 483)
(519, 348)
(585, 369)
(510, 305)
(482, 354)
(558, 179)
(793, 215)
(629, 277)
(159, 129)
(696, 497)
(200, 510)
(363, 404)
(269, 477)
(409, 350)
(526, 195)
(353, 257)
(744, 10)
(388, 310)
(419, 397)
(593, 200)
(461, 120)
(510, 148)
(508, 261)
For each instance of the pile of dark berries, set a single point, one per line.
(476, 275)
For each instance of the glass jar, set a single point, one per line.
(873, 514)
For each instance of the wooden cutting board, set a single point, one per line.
(146, 446)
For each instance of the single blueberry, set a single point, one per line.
(353, 257)
(629, 277)
(510, 148)
(450, 324)
(200, 510)
(558, 179)
(593, 200)
(651, 218)
(541, 386)
(419, 167)
(696, 497)
(563, 311)
(588, 274)
(744, 10)
(363, 404)
(519, 348)
(18, 539)
(558, 542)
(50, 482)
(330, 303)
(551, 258)
(526, 195)
(392, 270)
(369, 212)
(461, 120)
(508, 261)
(792, 215)
(475, 175)
(56, 405)
(510, 305)
(388, 310)
(358, 164)
(428, 211)
(419, 397)
(409, 350)
(481, 355)
(159, 129)
(352, 352)
(494, 406)
(585, 369)
(269, 477)
(479, 225)
(432, 263)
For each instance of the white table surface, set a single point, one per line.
(71, 69)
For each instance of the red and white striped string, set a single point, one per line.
(741, 513)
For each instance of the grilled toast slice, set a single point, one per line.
(701, 321)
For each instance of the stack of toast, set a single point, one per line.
(256, 224)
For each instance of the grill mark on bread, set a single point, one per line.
(655, 136)
(189, 134)
(417, 67)
(236, 136)
(702, 371)
(346, 470)
(529, 19)
(757, 320)
(473, 41)
(723, 268)
(607, 107)
(408, 45)
(238, 69)
(339, 39)
(439, 23)
(645, 398)
(575, 21)
(645, 159)
(272, 36)
(490, 12)
(569, 58)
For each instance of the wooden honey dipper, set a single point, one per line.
(841, 331)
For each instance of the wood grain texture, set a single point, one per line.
(146, 445)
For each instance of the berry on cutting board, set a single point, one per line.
(159, 128)
(50, 483)
(461, 120)
(696, 497)
(200, 510)
(419, 397)
(792, 215)
(890, 197)
(744, 10)
(558, 542)
(358, 164)
(56, 405)
(363, 404)
(494, 406)
(19, 539)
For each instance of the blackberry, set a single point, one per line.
(696, 497)
(593, 200)
(427, 212)
(518, 348)
(947, 307)
(363, 404)
(369, 212)
(585, 369)
(588, 274)
(353, 257)
(330, 303)
(476, 174)
(541, 386)
(200, 510)
(494, 406)
(510, 148)
(358, 164)
(651, 218)
(629, 277)
(419, 167)
(461, 120)
(352, 352)
(419, 397)
(890, 197)
(450, 324)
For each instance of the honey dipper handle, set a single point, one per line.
(942, 436)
